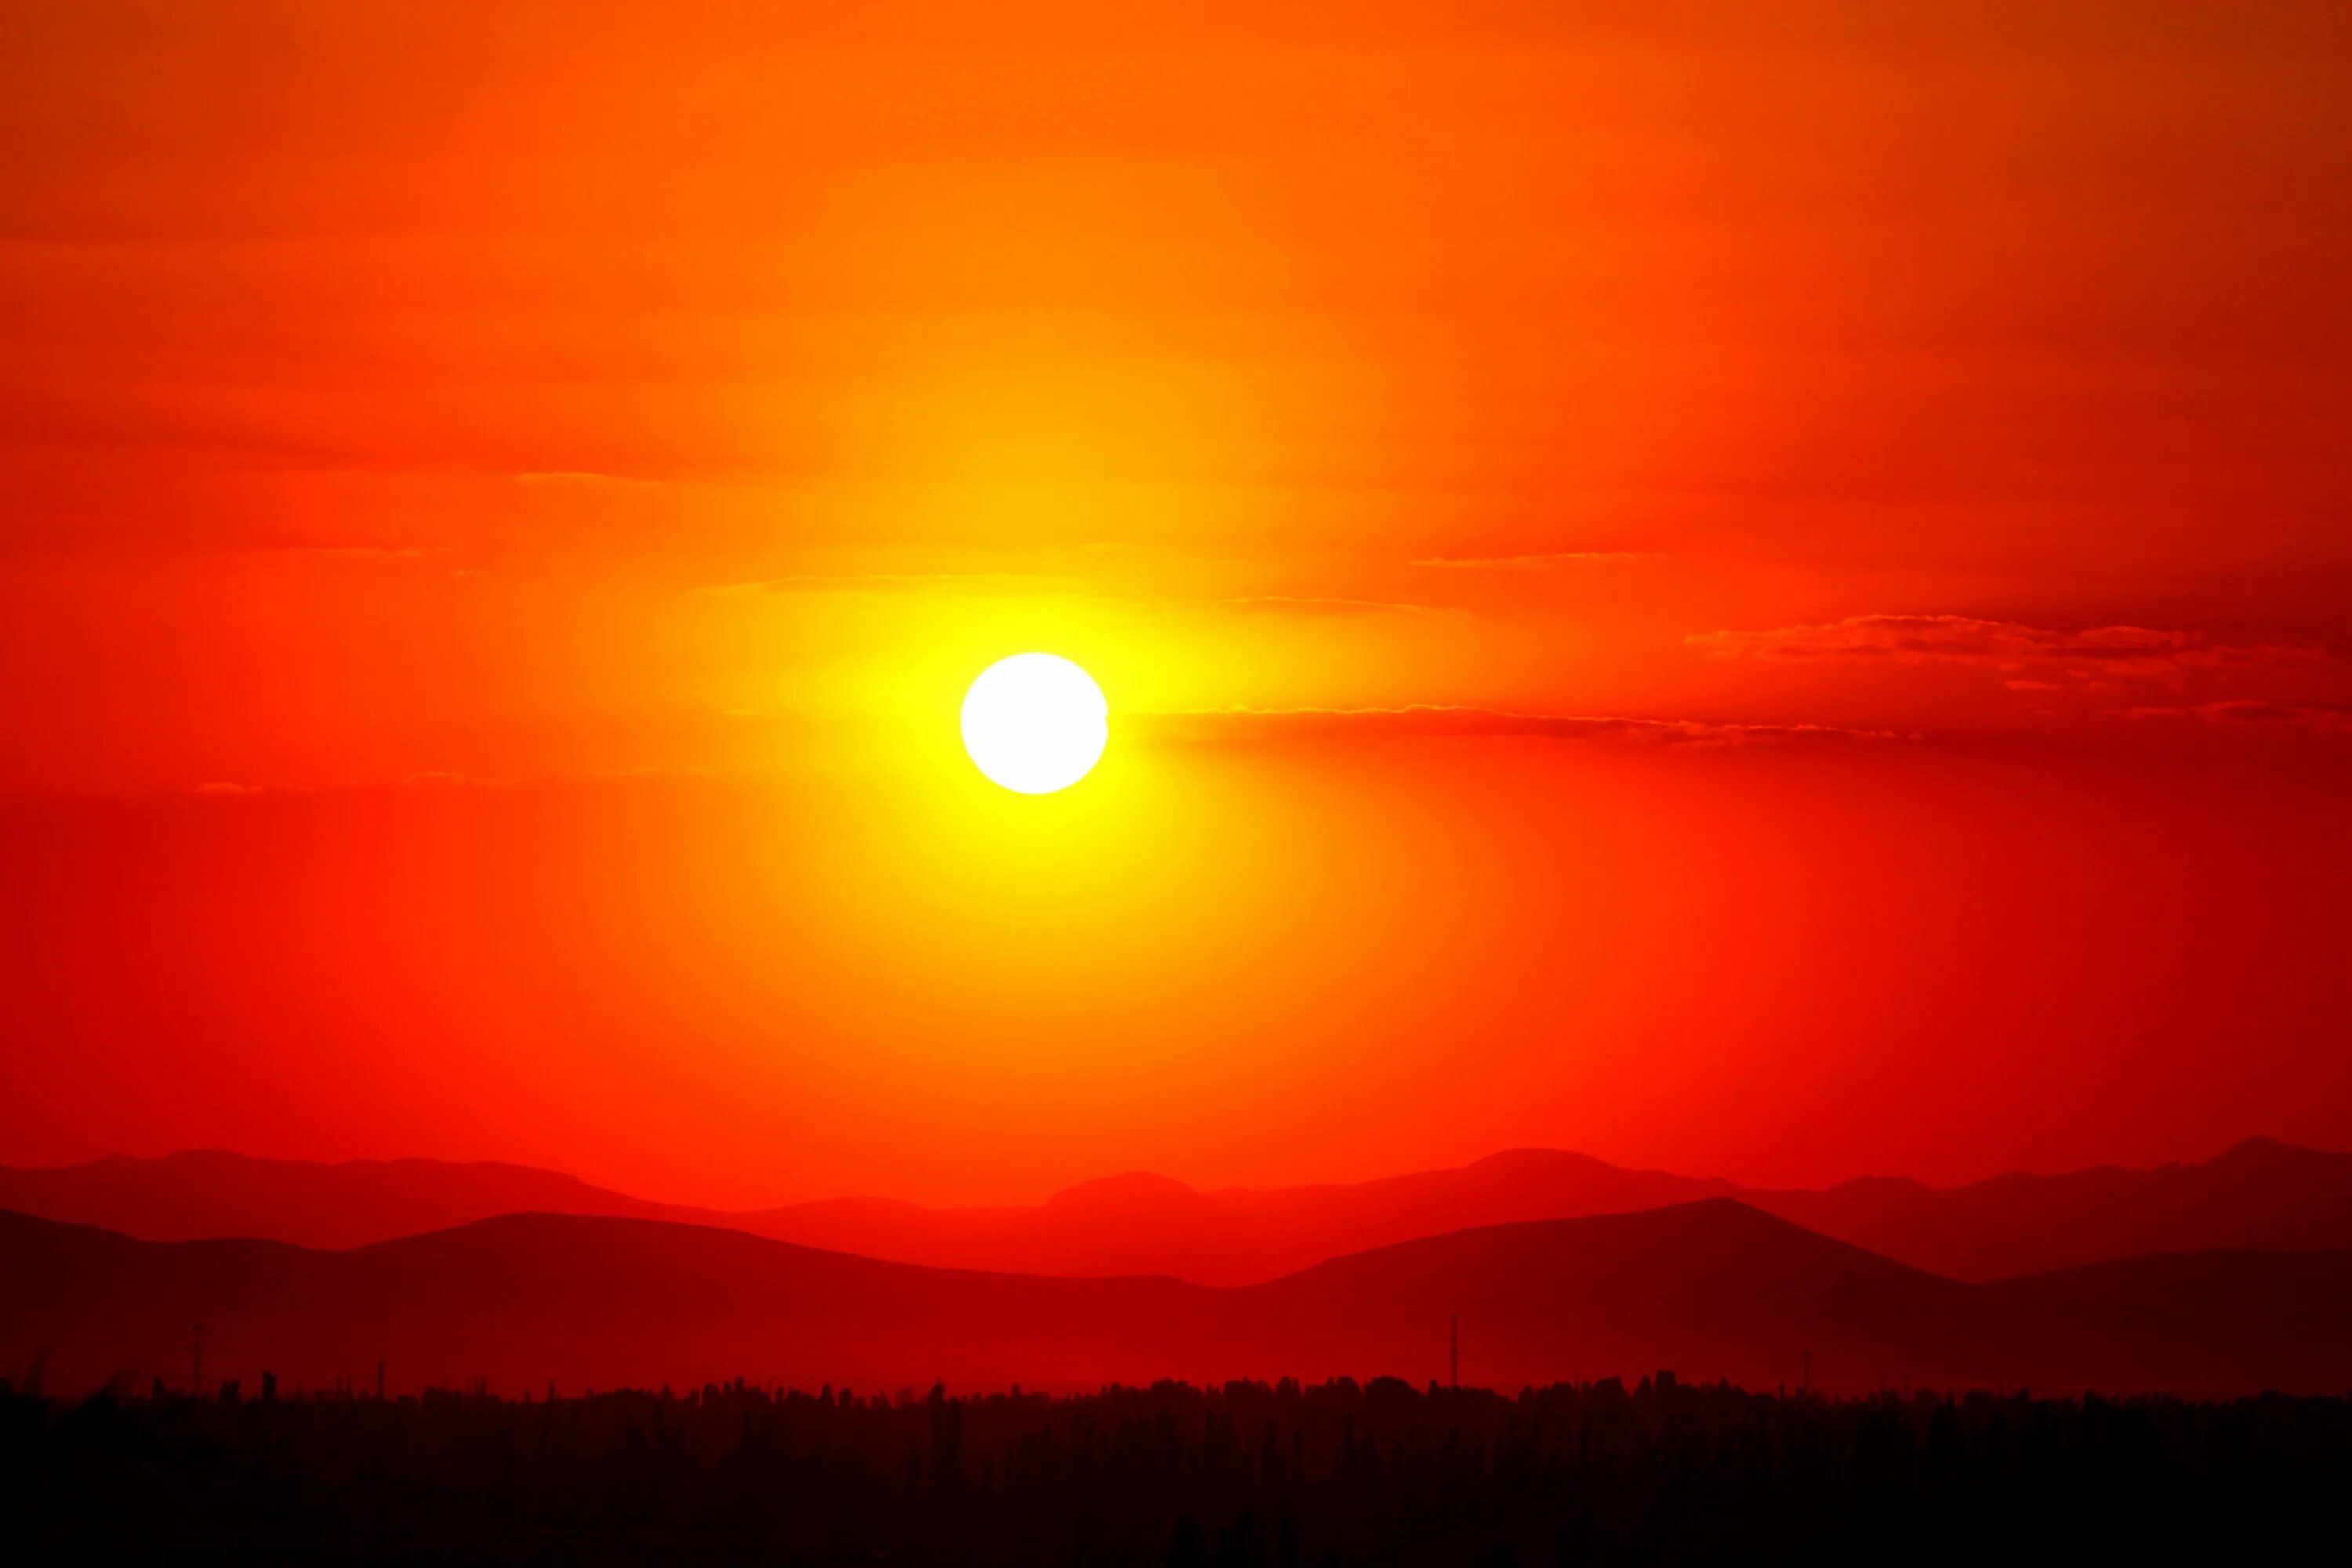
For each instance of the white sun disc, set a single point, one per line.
(1035, 722)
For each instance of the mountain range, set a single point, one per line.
(1714, 1289)
(2260, 1194)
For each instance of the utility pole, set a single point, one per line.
(196, 1381)
(1454, 1352)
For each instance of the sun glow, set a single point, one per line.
(1035, 722)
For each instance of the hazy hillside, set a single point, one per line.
(2260, 1194)
(1712, 1289)
(210, 1193)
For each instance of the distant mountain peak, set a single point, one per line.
(1129, 1189)
(2261, 1193)
(1534, 1156)
(2263, 1148)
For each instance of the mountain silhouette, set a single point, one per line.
(2260, 1195)
(1711, 1290)
(210, 1193)
(1138, 1222)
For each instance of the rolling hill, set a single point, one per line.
(1712, 1289)
(2259, 1195)
(206, 1194)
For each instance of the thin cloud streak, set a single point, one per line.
(2255, 715)
(1326, 605)
(1538, 562)
(895, 583)
(1010, 583)
(2099, 653)
(1248, 726)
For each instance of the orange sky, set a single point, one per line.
(502, 504)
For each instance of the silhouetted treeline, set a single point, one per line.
(1241, 1474)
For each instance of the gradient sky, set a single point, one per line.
(1764, 589)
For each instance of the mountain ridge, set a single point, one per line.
(2259, 1193)
(1713, 1289)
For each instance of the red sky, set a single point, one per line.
(502, 504)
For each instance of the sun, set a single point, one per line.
(1035, 722)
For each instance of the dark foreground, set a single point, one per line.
(1239, 1474)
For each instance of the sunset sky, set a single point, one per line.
(1762, 589)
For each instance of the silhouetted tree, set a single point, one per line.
(1245, 1473)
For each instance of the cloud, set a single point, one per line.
(2254, 714)
(1025, 582)
(576, 477)
(2101, 653)
(364, 551)
(1276, 725)
(892, 583)
(1324, 604)
(1542, 563)
(439, 779)
(430, 779)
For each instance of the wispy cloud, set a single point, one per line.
(2100, 653)
(444, 779)
(578, 476)
(1019, 582)
(366, 552)
(1274, 726)
(1547, 561)
(1323, 605)
(895, 583)
(2250, 715)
